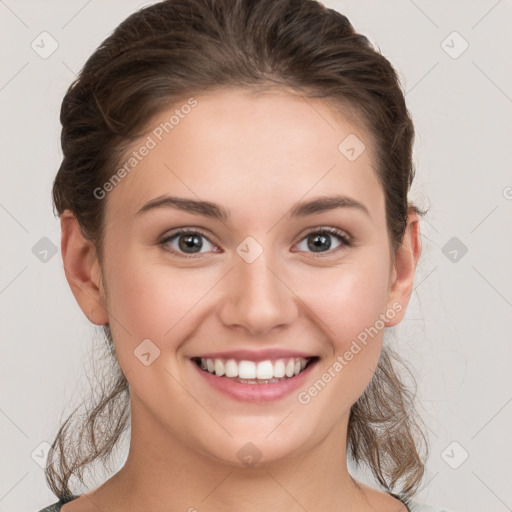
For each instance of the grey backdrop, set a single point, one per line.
(455, 62)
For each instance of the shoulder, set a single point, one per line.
(416, 506)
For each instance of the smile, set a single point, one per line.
(252, 372)
(254, 381)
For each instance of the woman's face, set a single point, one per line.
(263, 283)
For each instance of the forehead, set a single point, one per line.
(243, 147)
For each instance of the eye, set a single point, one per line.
(319, 240)
(187, 242)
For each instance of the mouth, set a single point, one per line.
(255, 372)
(248, 380)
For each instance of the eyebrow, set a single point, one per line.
(214, 211)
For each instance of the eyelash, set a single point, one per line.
(345, 240)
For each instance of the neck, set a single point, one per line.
(162, 473)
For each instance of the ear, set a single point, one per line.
(404, 268)
(82, 269)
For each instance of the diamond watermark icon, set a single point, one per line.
(40, 454)
(44, 250)
(455, 455)
(44, 45)
(249, 249)
(454, 249)
(351, 147)
(249, 454)
(454, 45)
(146, 352)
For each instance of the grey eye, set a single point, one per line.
(189, 243)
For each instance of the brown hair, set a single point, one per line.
(177, 48)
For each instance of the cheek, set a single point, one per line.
(151, 301)
(348, 299)
(348, 303)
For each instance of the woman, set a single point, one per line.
(234, 209)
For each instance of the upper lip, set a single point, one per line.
(256, 355)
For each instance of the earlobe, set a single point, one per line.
(82, 269)
(406, 260)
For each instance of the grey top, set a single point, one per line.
(412, 506)
(55, 507)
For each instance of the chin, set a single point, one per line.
(259, 446)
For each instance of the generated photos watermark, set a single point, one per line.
(152, 140)
(304, 397)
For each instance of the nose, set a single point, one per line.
(257, 298)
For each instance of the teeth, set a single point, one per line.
(290, 368)
(231, 368)
(251, 372)
(219, 367)
(247, 369)
(265, 370)
(279, 368)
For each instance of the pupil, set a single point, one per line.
(319, 242)
(190, 242)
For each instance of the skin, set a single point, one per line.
(255, 154)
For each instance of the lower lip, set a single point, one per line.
(255, 392)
